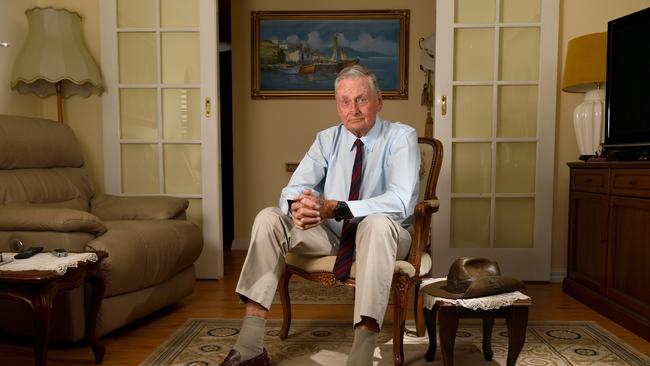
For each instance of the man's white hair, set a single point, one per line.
(358, 71)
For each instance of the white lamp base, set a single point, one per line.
(588, 123)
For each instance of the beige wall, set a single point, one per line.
(82, 114)
(577, 17)
(269, 133)
(13, 29)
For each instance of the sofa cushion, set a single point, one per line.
(56, 187)
(27, 142)
(143, 253)
(64, 220)
(109, 207)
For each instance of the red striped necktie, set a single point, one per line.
(345, 253)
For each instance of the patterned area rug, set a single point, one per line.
(205, 342)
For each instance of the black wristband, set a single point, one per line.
(342, 211)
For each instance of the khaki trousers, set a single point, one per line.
(380, 242)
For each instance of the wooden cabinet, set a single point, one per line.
(608, 266)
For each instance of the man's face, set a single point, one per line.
(357, 105)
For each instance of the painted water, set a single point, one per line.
(386, 69)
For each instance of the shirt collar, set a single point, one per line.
(368, 139)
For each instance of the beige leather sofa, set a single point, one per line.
(47, 199)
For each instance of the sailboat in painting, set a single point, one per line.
(337, 62)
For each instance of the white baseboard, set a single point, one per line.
(558, 274)
(240, 244)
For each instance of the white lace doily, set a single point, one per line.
(485, 303)
(45, 262)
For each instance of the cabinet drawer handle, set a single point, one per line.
(588, 180)
(632, 182)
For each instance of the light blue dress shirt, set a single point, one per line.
(391, 163)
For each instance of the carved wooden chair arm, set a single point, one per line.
(420, 241)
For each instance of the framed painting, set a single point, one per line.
(297, 54)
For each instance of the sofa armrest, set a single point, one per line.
(109, 207)
(65, 220)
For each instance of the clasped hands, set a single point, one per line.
(308, 211)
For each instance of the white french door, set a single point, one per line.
(160, 117)
(496, 71)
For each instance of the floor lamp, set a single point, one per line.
(54, 59)
(584, 72)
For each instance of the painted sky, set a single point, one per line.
(377, 35)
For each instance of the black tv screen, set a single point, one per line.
(627, 101)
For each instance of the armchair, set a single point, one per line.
(407, 274)
(47, 199)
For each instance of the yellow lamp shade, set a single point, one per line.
(55, 52)
(586, 63)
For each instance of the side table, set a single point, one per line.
(516, 316)
(39, 288)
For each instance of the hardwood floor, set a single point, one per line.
(216, 299)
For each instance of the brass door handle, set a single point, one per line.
(443, 104)
(208, 107)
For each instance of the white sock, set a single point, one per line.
(363, 348)
(250, 342)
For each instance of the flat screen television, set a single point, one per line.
(627, 98)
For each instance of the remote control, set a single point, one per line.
(29, 252)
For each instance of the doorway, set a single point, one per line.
(225, 93)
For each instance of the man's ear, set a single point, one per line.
(380, 101)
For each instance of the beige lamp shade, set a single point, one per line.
(586, 62)
(55, 52)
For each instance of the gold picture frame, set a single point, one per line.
(296, 54)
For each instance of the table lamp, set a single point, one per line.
(584, 72)
(55, 59)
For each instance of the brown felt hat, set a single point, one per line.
(473, 277)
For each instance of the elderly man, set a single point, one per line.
(350, 197)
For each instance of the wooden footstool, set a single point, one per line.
(516, 316)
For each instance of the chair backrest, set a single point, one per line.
(41, 164)
(430, 163)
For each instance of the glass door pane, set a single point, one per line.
(136, 14)
(182, 168)
(140, 173)
(471, 213)
(475, 11)
(137, 52)
(521, 11)
(179, 13)
(472, 111)
(138, 114)
(180, 58)
(474, 54)
(181, 114)
(519, 54)
(514, 218)
(517, 108)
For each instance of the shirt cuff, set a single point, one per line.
(289, 207)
